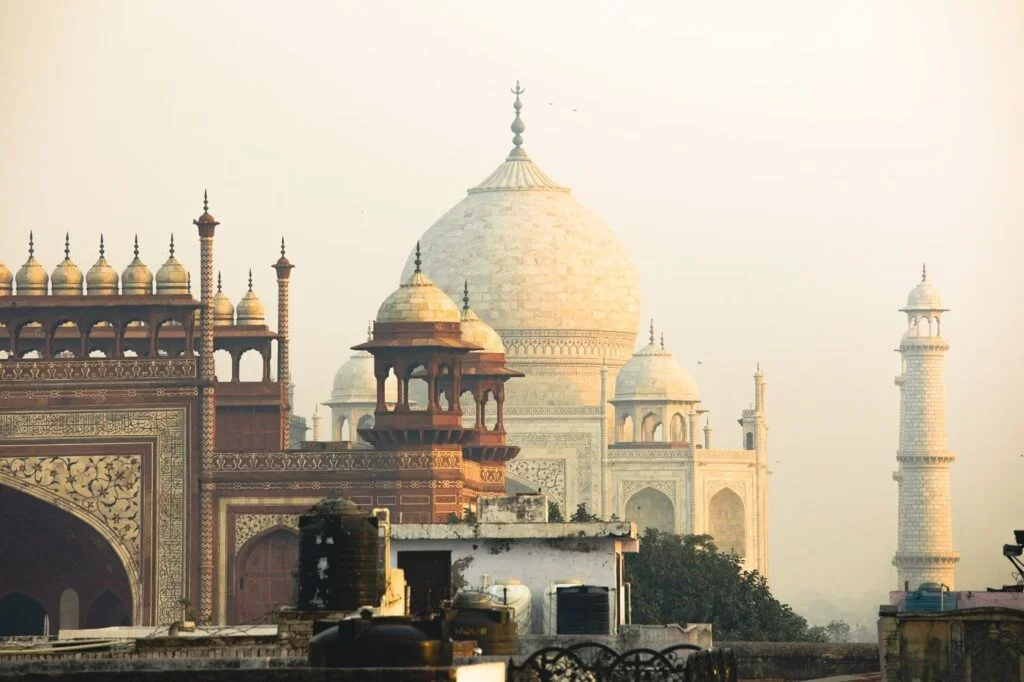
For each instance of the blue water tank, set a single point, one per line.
(930, 598)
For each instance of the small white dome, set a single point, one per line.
(924, 296)
(654, 374)
(479, 333)
(354, 382)
(418, 300)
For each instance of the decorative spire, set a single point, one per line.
(282, 247)
(250, 279)
(663, 340)
(206, 203)
(924, 272)
(136, 245)
(218, 282)
(465, 295)
(188, 281)
(369, 330)
(517, 125)
(172, 245)
(418, 261)
(652, 331)
(67, 246)
(102, 250)
(31, 245)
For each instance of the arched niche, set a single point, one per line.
(650, 508)
(726, 522)
(107, 610)
(69, 604)
(264, 574)
(60, 558)
(677, 429)
(21, 615)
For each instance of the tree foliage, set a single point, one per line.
(685, 579)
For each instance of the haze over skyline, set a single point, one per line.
(778, 172)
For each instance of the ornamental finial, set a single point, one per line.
(282, 247)
(663, 340)
(652, 331)
(31, 244)
(465, 295)
(517, 124)
(218, 282)
(206, 203)
(369, 330)
(67, 246)
(250, 279)
(102, 250)
(924, 272)
(418, 261)
(136, 246)
(172, 245)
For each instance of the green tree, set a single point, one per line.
(581, 515)
(838, 631)
(554, 513)
(685, 579)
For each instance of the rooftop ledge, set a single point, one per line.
(513, 531)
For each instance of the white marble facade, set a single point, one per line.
(561, 290)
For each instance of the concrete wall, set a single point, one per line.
(535, 563)
(791, 661)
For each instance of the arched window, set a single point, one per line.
(650, 508)
(726, 524)
(468, 405)
(345, 430)
(626, 430)
(648, 426)
(68, 610)
(749, 444)
(677, 432)
(417, 387)
(107, 610)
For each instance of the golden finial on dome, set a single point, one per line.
(67, 279)
(924, 272)
(465, 295)
(418, 261)
(518, 127)
(32, 279)
(137, 279)
(172, 277)
(250, 310)
(652, 331)
(101, 280)
(223, 309)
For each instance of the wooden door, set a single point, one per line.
(263, 576)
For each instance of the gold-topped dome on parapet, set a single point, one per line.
(137, 279)
(32, 279)
(250, 309)
(102, 279)
(223, 309)
(67, 279)
(6, 281)
(172, 277)
(418, 300)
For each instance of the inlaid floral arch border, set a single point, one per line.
(124, 555)
(170, 471)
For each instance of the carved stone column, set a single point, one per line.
(284, 270)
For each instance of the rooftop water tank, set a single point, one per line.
(515, 595)
(551, 603)
(339, 562)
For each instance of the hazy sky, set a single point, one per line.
(778, 170)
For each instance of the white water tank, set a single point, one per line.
(551, 603)
(514, 594)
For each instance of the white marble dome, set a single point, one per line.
(924, 297)
(478, 332)
(536, 257)
(654, 374)
(354, 381)
(418, 300)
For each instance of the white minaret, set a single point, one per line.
(924, 550)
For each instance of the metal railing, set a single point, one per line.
(594, 662)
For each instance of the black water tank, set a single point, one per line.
(583, 610)
(338, 558)
(474, 618)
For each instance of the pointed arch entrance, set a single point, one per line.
(53, 554)
(264, 574)
(650, 508)
(726, 523)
